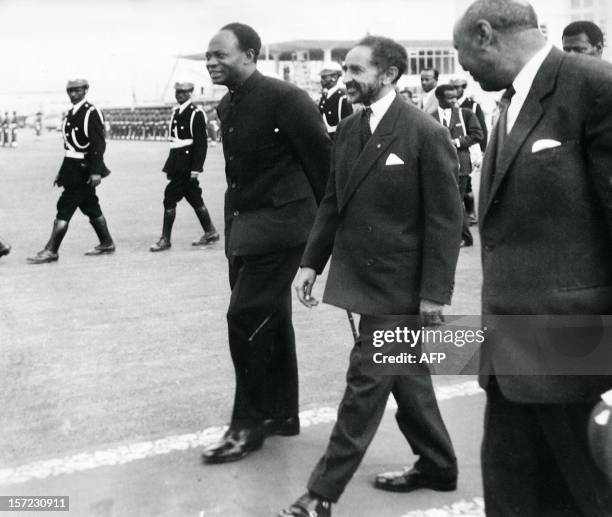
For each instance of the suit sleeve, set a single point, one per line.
(97, 143)
(442, 215)
(598, 135)
(321, 239)
(483, 125)
(472, 128)
(200, 142)
(298, 117)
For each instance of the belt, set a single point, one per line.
(176, 143)
(74, 154)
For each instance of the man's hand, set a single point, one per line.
(304, 282)
(194, 175)
(431, 313)
(95, 180)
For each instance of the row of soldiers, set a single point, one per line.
(125, 124)
(8, 130)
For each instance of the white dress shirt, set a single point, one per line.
(379, 108)
(523, 82)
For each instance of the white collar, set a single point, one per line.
(380, 107)
(76, 107)
(523, 81)
(463, 98)
(184, 105)
(332, 90)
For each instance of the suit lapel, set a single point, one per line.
(375, 147)
(530, 114)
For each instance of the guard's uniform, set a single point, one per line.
(84, 146)
(188, 146)
(333, 107)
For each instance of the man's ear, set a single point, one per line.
(250, 55)
(391, 74)
(599, 48)
(484, 33)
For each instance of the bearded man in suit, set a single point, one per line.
(391, 222)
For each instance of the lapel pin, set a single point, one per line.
(378, 146)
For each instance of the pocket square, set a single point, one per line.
(540, 145)
(394, 159)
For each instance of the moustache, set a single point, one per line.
(352, 84)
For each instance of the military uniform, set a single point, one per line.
(333, 107)
(188, 146)
(82, 168)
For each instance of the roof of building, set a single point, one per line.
(312, 45)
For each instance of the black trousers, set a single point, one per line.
(466, 234)
(536, 461)
(261, 337)
(82, 196)
(183, 186)
(362, 409)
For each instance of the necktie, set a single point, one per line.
(502, 125)
(366, 132)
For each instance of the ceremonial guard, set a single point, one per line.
(80, 173)
(333, 104)
(188, 145)
(6, 132)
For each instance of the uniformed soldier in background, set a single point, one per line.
(80, 173)
(6, 133)
(188, 146)
(13, 125)
(333, 104)
(5, 248)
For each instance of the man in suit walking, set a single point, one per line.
(463, 101)
(277, 155)
(391, 221)
(188, 146)
(546, 228)
(465, 132)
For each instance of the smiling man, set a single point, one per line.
(391, 222)
(277, 155)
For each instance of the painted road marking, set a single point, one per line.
(463, 508)
(141, 450)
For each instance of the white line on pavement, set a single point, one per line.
(141, 450)
(463, 508)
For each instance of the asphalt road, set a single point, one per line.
(115, 369)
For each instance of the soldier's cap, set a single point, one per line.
(331, 67)
(185, 85)
(77, 83)
(458, 80)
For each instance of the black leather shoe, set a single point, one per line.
(413, 479)
(282, 427)
(5, 249)
(101, 249)
(207, 238)
(161, 245)
(307, 506)
(234, 446)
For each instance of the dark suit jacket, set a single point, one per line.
(190, 124)
(546, 219)
(277, 155)
(471, 104)
(393, 231)
(472, 135)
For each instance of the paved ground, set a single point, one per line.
(115, 370)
